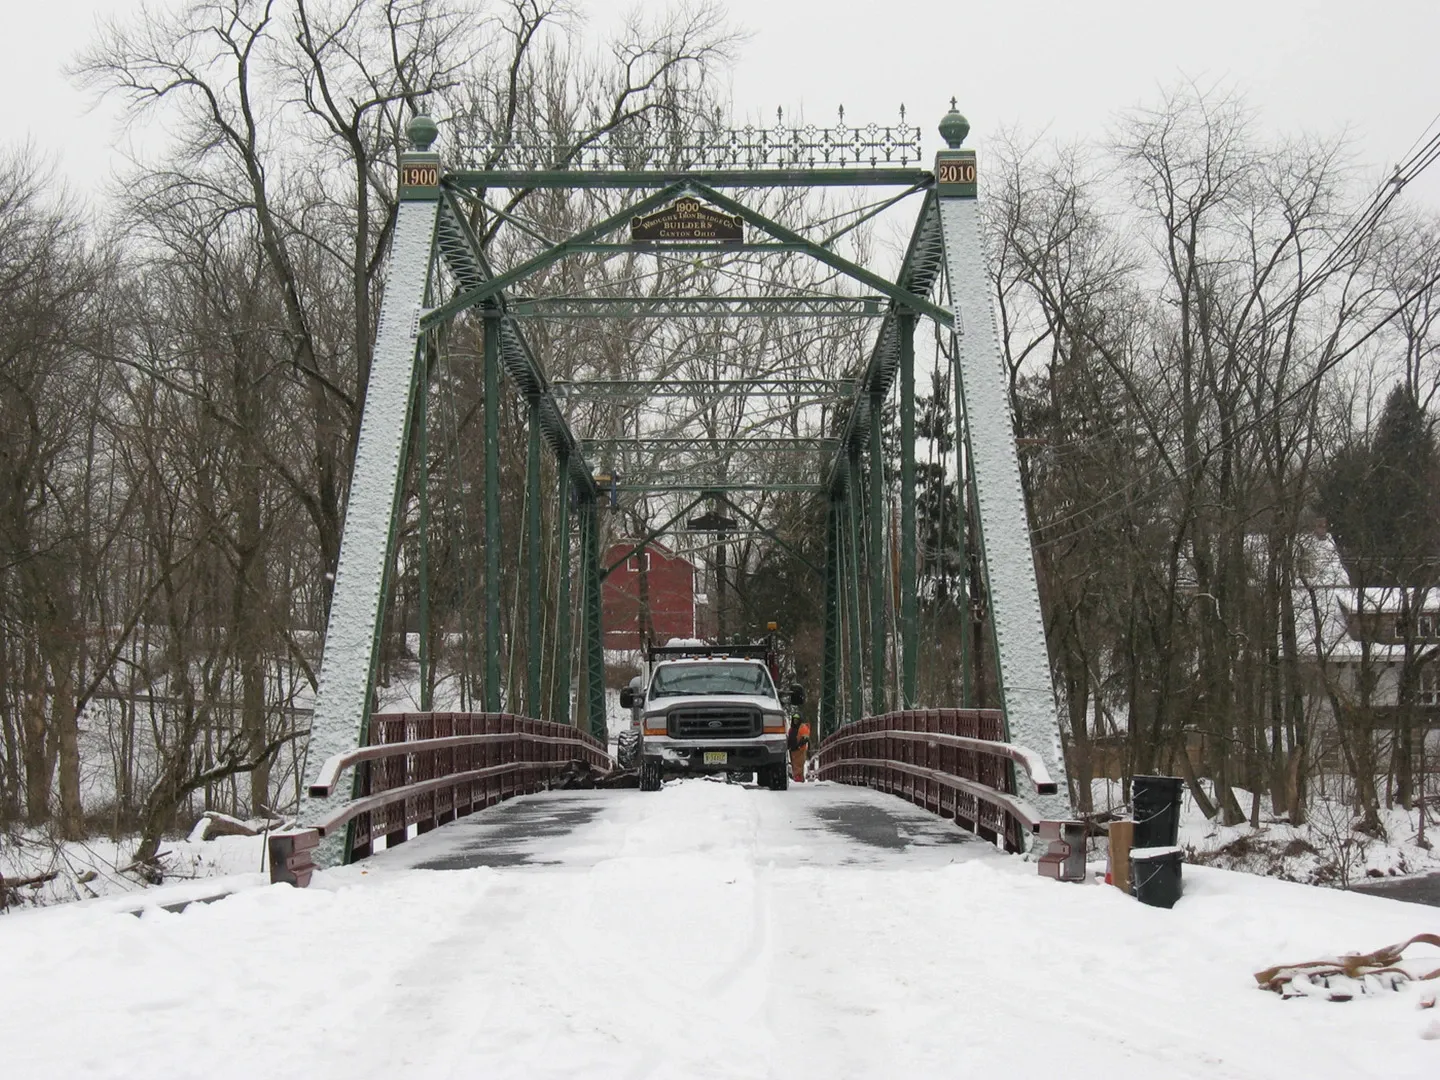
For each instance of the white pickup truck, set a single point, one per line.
(707, 715)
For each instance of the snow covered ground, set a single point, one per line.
(709, 930)
(1327, 850)
(86, 869)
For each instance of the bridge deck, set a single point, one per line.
(816, 825)
(707, 930)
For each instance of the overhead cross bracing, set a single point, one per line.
(715, 360)
(674, 307)
(796, 444)
(817, 389)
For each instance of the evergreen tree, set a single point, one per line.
(1381, 499)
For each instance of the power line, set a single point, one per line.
(1325, 368)
(1358, 231)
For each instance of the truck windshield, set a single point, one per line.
(672, 680)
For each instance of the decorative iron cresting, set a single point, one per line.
(646, 146)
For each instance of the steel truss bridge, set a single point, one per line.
(500, 921)
(998, 772)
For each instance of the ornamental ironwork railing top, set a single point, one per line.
(639, 147)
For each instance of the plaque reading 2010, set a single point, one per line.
(687, 219)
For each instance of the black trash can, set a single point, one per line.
(1156, 800)
(1155, 875)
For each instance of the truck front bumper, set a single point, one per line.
(698, 757)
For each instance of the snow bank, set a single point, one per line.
(1327, 850)
(90, 869)
(708, 930)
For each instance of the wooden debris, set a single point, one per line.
(1341, 978)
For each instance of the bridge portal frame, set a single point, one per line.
(433, 226)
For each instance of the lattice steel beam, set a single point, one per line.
(669, 307)
(624, 488)
(659, 178)
(817, 389)
(719, 444)
(460, 249)
(917, 276)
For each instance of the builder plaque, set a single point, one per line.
(687, 219)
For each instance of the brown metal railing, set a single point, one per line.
(426, 769)
(952, 762)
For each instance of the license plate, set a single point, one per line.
(717, 757)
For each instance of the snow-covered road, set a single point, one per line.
(709, 930)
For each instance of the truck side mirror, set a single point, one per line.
(797, 694)
(627, 697)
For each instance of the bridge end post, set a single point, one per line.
(377, 490)
(1007, 558)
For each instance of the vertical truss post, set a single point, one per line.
(560, 700)
(491, 685)
(422, 484)
(909, 606)
(532, 563)
(720, 593)
(829, 664)
(852, 573)
(1017, 626)
(962, 498)
(875, 540)
(377, 487)
(594, 645)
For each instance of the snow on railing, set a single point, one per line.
(955, 763)
(425, 769)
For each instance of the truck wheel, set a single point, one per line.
(627, 748)
(776, 778)
(650, 776)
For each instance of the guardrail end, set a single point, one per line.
(292, 856)
(1064, 857)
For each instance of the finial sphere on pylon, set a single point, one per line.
(422, 132)
(954, 127)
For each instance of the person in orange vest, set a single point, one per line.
(798, 742)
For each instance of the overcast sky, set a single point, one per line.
(1325, 66)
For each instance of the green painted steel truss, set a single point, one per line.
(630, 389)
(847, 473)
(701, 307)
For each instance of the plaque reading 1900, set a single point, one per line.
(687, 219)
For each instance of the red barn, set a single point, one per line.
(669, 585)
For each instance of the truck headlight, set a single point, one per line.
(655, 725)
(774, 723)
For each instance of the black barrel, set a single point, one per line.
(1155, 875)
(1157, 810)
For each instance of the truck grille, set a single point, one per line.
(715, 722)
